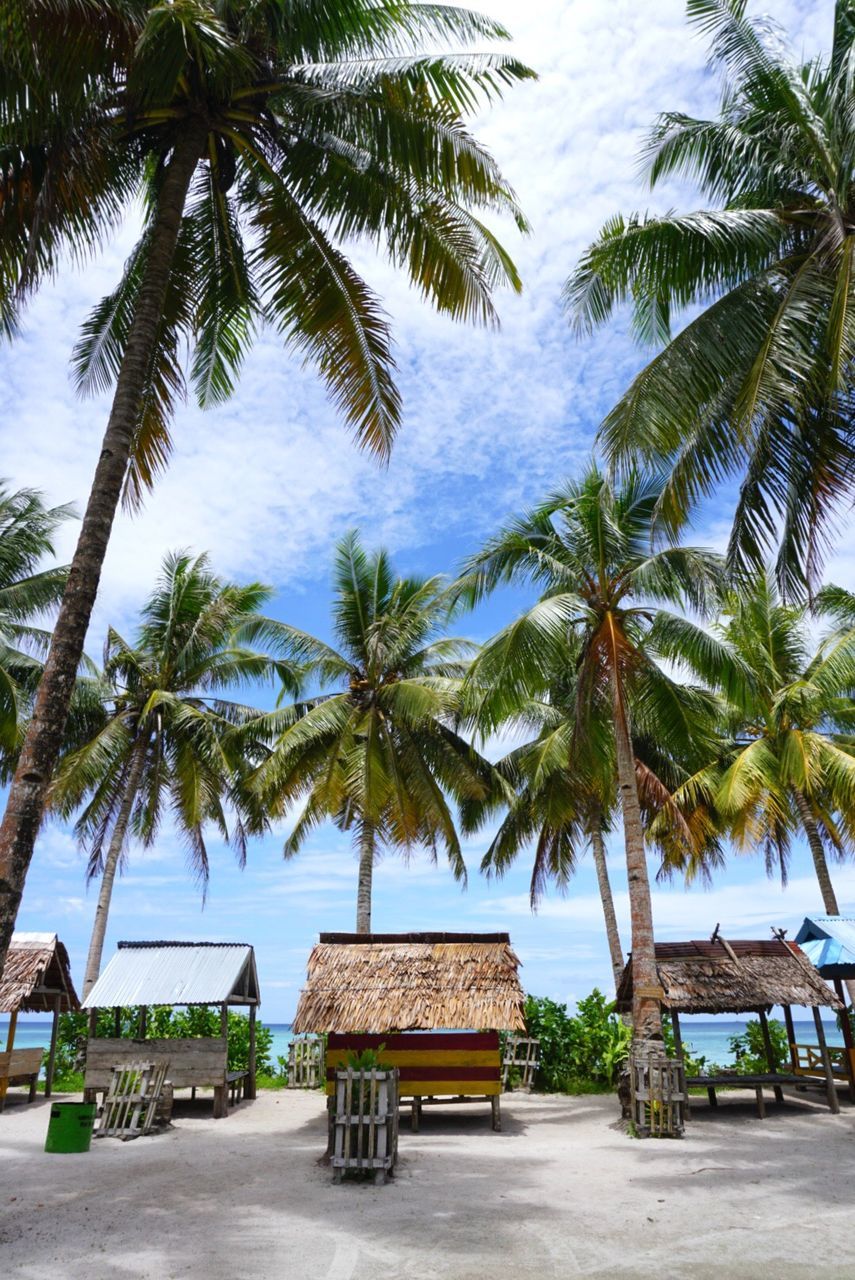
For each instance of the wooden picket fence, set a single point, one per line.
(306, 1068)
(365, 1123)
(130, 1104)
(659, 1095)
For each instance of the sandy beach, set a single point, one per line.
(561, 1192)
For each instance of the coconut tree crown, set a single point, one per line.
(310, 124)
(759, 384)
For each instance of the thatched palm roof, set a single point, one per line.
(35, 973)
(411, 982)
(732, 977)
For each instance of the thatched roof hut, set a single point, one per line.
(37, 976)
(732, 977)
(411, 982)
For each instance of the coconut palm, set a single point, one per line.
(786, 762)
(261, 135)
(380, 754)
(758, 385)
(162, 744)
(27, 591)
(589, 550)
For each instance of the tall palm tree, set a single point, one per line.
(589, 549)
(260, 135)
(759, 384)
(380, 755)
(162, 744)
(27, 591)
(786, 762)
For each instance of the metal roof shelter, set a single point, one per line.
(36, 979)
(185, 973)
(176, 973)
(829, 943)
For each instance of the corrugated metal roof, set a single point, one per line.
(176, 973)
(829, 942)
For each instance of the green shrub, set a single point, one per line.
(577, 1053)
(749, 1049)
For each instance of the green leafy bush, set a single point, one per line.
(581, 1053)
(749, 1049)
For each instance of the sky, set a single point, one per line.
(493, 420)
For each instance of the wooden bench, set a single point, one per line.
(434, 1066)
(20, 1066)
(197, 1062)
(757, 1082)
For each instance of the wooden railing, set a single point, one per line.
(807, 1060)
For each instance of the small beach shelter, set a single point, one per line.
(829, 944)
(36, 979)
(176, 973)
(436, 1002)
(743, 976)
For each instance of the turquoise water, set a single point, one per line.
(706, 1038)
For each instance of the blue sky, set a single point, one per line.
(267, 483)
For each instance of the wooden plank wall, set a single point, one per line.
(431, 1064)
(194, 1061)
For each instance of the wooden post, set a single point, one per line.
(830, 1086)
(678, 1045)
(224, 1021)
(117, 1023)
(771, 1060)
(249, 1090)
(57, 1009)
(10, 1035)
(848, 1038)
(791, 1034)
(143, 1020)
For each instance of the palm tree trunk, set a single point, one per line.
(820, 863)
(646, 1011)
(598, 848)
(367, 851)
(28, 793)
(111, 864)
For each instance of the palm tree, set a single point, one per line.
(162, 744)
(27, 529)
(589, 550)
(759, 383)
(786, 763)
(260, 136)
(381, 754)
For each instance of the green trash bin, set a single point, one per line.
(70, 1127)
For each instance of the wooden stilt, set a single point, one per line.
(678, 1045)
(54, 1030)
(249, 1087)
(848, 1038)
(830, 1086)
(771, 1060)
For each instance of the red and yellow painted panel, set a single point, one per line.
(430, 1064)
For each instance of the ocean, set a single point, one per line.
(707, 1037)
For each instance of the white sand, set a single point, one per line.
(559, 1193)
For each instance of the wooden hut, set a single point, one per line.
(741, 977)
(143, 974)
(436, 1002)
(829, 944)
(36, 979)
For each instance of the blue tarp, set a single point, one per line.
(829, 943)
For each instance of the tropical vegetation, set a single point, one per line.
(757, 385)
(379, 754)
(259, 137)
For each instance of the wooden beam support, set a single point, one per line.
(830, 1086)
(143, 1022)
(678, 1045)
(771, 1060)
(51, 1066)
(117, 1023)
(10, 1035)
(249, 1088)
(848, 1038)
